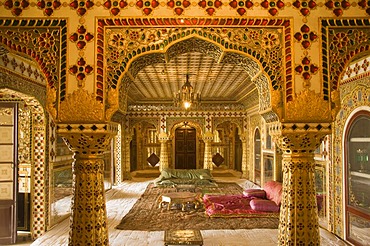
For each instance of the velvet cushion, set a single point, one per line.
(186, 174)
(273, 191)
(259, 193)
(264, 205)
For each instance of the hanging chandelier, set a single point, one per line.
(186, 97)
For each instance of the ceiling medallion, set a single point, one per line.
(186, 96)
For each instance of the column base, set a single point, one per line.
(126, 176)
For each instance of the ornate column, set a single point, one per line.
(126, 169)
(244, 139)
(278, 168)
(208, 137)
(163, 138)
(140, 149)
(298, 212)
(88, 221)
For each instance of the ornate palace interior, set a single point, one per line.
(92, 92)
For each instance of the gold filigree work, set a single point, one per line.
(277, 102)
(112, 105)
(81, 106)
(51, 101)
(308, 106)
(335, 98)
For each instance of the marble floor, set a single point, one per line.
(121, 198)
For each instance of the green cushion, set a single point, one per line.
(186, 174)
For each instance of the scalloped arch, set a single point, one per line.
(190, 123)
(196, 43)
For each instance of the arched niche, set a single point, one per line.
(145, 147)
(33, 155)
(357, 175)
(257, 156)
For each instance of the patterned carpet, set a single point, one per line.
(146, 215)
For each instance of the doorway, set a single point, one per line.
(8, 172)
(185, 148)
(257, 157)
(357, 178)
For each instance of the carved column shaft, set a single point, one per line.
(126, 169)
(163, 158)
(164, 155)
(88, 221)
(88, 217)
(244, 140)
(208, 155)
(208, 137)
(298, 212)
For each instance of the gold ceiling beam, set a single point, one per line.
(247, 94)
(221, 57)
(166, 58)
(256, 76)
(130, 76)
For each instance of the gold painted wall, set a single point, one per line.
(353, 95)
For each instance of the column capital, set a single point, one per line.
(244, 137)
(87, 138)
(163, 137)
(208, 137)
(128, 139)
(299, 137)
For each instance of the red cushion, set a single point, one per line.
(273, 191)
(259, 193)
(264, 205)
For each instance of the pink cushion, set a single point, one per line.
(258, 193)
(273, 191)
(264, 205)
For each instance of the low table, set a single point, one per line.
(182, 198)
(183, 237)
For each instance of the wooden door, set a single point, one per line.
(238, 157)
(185, 148)
(133, 153)
(8, 172)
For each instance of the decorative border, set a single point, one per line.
(354, 95)
(185, 24)
(39, 188)
(342, 39)
(35, 38)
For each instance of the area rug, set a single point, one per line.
(147, 175)
(146, 215)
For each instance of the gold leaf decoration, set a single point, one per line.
(308, 106)
(277, 102)
(112, 105)
(81, 106)
(51, 101)
(335, 99)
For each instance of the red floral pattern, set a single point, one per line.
(115, 6)
(147, 6)
(273, 6)
(306, 69)
(81, 37)
(81, 70)
(338, 6)
(241, 6)
(16, 6)
(305, 36)
(305, 6)
(48, 6)
(81, 6)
